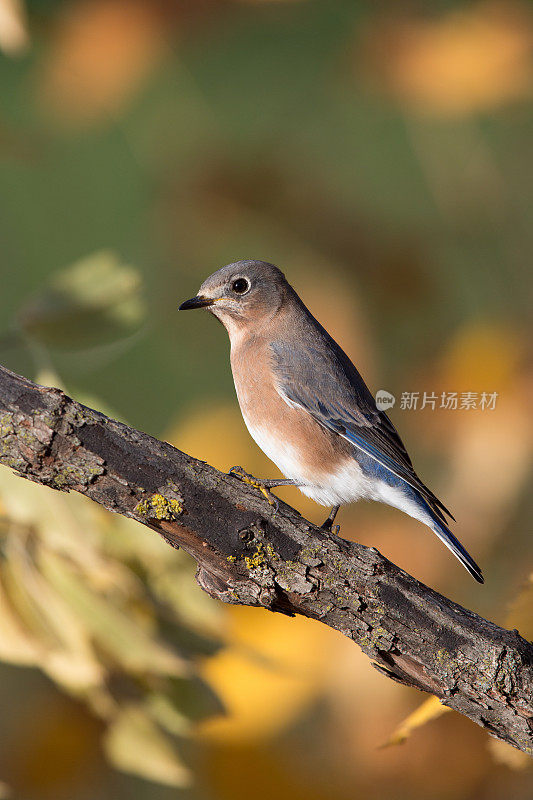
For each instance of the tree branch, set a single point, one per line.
(249, 554)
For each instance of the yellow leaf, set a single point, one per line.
(167, 715)
(272, 669)
(66, 523)
(430, 709)
(16, 645)
(65, 651)
(135, 744)
(115, 630)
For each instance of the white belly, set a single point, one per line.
(345, 485)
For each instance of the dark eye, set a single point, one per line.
(240, 285)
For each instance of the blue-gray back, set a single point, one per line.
(314, 373)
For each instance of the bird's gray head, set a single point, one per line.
(242, 292)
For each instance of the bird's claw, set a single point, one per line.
(245, 477)
(328, 526)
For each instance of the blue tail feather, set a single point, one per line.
(438, 525)
(453, 544)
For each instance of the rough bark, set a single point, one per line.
(249, 553)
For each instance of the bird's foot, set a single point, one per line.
(329, 526)
(245, 477)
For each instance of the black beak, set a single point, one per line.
(196, 302)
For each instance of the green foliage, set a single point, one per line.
(96, 300)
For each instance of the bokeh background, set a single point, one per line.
(381, 153)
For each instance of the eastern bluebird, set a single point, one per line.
(306, 405)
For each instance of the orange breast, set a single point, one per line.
(289, 436)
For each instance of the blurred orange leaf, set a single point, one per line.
(481, 357)
(467, 60)
(101, 52)
(430, 709)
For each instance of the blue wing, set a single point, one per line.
(322, 380)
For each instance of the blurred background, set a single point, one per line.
(380, 153)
